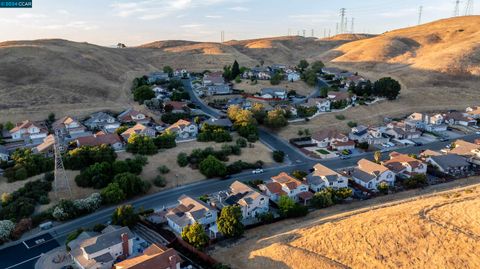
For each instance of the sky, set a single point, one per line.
(108, 22)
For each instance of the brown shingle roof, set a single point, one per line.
(97, 140)
(371, 167)
(153, 257)
(284, 179)
(328, 133)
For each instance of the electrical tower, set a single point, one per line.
(456, 11)
(313, 33)
(420, 9)
(61, 181)
(342, 20)
(469, 8)
(222, 36)
(336, 29)
(345, 27)
(329, 32)
(303, 31)
(352, 26)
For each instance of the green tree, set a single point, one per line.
(195, 235)
(322, 199)
(182, 159)
(324, 92)
(278, 156)
(143, 93)
(303, 64)
(241, 142)
(342, 193)
(387, 87)
(165, 140)
(288, 207)
(130, 184)
(299, 174)
(125, 215)
(317, 66)
(113, 194)
(9, 125)
(235, 70)
(310, 77)
(121, 129)
(276, 78)
(212, 167)
(415, 181)
(51, 118)
(276, 119)
(168, 69)
(383, 187)
(230, 221)
(141, 144)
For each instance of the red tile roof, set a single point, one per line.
(97, 140)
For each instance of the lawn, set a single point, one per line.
(322, 151)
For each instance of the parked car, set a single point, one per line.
(478, 132)
(257, 171)
(444, 139)
(418, 144)
(344, 157)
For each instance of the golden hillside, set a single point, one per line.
(439, 231)
(449, 45)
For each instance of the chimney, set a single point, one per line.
(173, 261)
(125, 246)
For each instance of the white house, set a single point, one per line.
(4, 155)
(404, 165)
(102, 121)
(283, 184)
(132, 115)
(473, 111)
(139, 129)
(429, 122)
(322, 104)
(326, 137)
(189, 211)
(69, 126)
(251, 202)
(101, 251)
(324, 177)
(400, 130)
(293, 76)
(184, 129)
(270, 93)
(369, 174)
(458, 118)
(28, 130)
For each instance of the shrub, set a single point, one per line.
(415, 181)
(130, 184)
(165, 140)
(163, 169)
(125, 215)
(195, 235)
(352, 124)
(85, 156)
(288, 208)
(159, 181)
(44, 200)
(278, 156)
(6, 228)
(89, 204)
(182, 159)
(212, 167)
(340, 117)
(49, 176)
(113, 194)
(298, 174)
(266, 217)
(241, 142)
(322, 199)
(141, 144)
(65, 210)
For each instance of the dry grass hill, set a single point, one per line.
(37, 77)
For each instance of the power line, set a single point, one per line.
(469, 8)
(352, 26)
(420, 9)
(456, 10)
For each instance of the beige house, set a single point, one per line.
(283, 184)
(324, 177)
(369, 174)
(404, 165)
(189, 211)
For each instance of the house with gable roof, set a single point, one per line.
(28, 131)
(283, 184)
(102, 121)
(189, 211)
(405, 166)
(369, 174)
(70, 128)
(131, 115)
(153, 257)
(139, 129)
(324, 177)
(184, 129)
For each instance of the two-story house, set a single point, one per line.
(139, 129)
(400, 130)
(102, 121)
(69, 128)
(131, 115)
(326, 137)
(405, 166)
(29, 132)
(322, 104)
(283, 184)
(251, 202)
(458, 118)
(213, 79)
(369, 174)
(153, 257)
(433, 122)
(183, 129)
(189, 211)
(324, 177)
(101, 251)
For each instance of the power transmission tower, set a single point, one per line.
(345, 28)
(61, 181)
(342, 20)
(352, 26)
(420, 9)
(313, 33)
(329, 32)
(303, 31)
(336, 29)
(469, 8)
(456, 11)
(222, 36)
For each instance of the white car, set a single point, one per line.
(257, 171)
(478, 132)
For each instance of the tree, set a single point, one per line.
(230, 221)
(113, 194)
(310, 77)
(141, 144)
(322, 199)
(168, 69)
(258, 111)
(6, 198)
(383, 187)
(130, 184)
(159, 181)
(212, 167)
(298, 174)
(9, 126)
(6, 228)
(317, 66)
(121, 129)
(288, 208)
(387, 87)
(21, 227)
(125, 216)
(195, 235)
(241, 142)
(51, 118)
(163, 169)
(415, 181)
(377, 156)
(303, 64)
(182, 159)
(278, 156)
(342, 193)
(324, 92)
(143, 93)
(276, 78)
(276, 119)
(166, 140)
(235, 70)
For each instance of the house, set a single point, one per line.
(261, 73)
(218, 90)
(293, 76)
(224, 123)
(400, 130)
(155, 257)
(101, 138)
(326, 137)
(354, 80)
(69, 127)
(47, 146)
(251, 202)
(369, 174)
(375, 136)
(189, 211)
(335, 72)
(405, 166)
(102, 121)
(184, 129)
(463, 148)
(157, 76)
(176, 106)
(340, 96)
(429, 122)
(130, 115)
(322, 104)
(283, 184)
(324, 177)
(28, 131)
(458, 118)
(183, 73)
(273, 93)
(239, 101)
(213, 79)
(451, 164)
(473, 111)
(427, 153)
(4, 154)
(343, 145)
(139, 129)
(288, 109)
(101, 251)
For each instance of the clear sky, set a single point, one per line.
(107, 22)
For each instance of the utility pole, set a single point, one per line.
(469, 8)
(329, 32)
(342, 19)
(324, 32)
(456, 11)
(420, 9)
(352, 26)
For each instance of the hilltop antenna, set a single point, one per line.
(352, 25)
(469, 8)
(61, 180)
(420, 9)
(342, 19)
(456, 11)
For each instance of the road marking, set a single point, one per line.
(26, 245)
(20, 263)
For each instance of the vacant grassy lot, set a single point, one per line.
(434, 231)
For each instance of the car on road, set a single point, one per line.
(444, 139)
(344, 157)
(226, 177)
(418, 144)
(257, 171)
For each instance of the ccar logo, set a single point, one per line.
(15, 4)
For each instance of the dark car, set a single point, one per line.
(418, 144)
